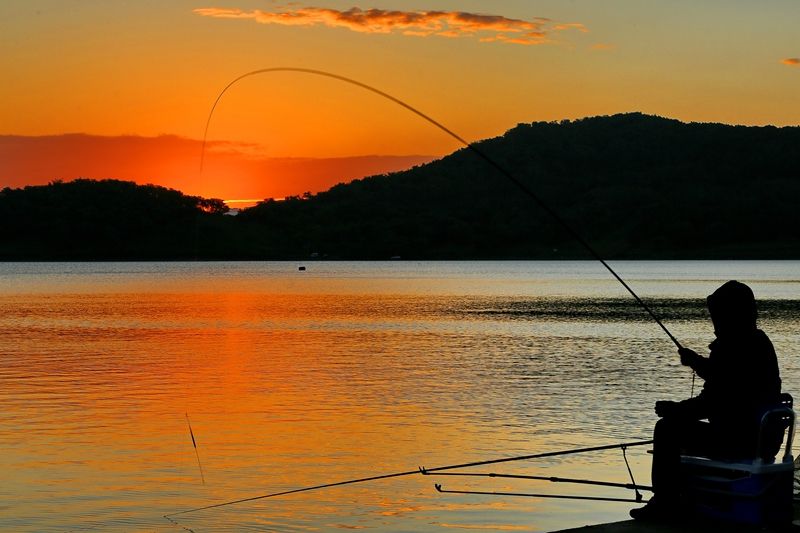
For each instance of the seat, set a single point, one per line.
(757, 491)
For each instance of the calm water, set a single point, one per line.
(346, 370)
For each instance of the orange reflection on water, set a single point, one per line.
(283, 391)
(345, 371)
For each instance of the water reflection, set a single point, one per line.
(351, 371)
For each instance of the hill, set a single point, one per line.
(105, 220)
(634, 186)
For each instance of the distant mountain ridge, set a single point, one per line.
(632, 185)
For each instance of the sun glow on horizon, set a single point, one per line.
(173, 162)
(243, 204)
(125, 72)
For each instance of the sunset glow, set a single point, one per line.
(232, 170)
(138, 82)
(487, 28)
(283, 265)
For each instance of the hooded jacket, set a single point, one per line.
(742, 381)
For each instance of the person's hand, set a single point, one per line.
(688, 357)
(666, 408)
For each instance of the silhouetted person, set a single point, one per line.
(741, 382)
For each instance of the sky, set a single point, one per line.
(123, 89)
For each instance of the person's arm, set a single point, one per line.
(693, 408)
(695, 361)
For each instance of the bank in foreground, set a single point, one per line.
(633, 526)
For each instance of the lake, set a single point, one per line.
(345, 370)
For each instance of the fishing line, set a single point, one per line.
(520, 185)
(179, 525)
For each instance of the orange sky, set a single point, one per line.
(141, 73)
(231, 171)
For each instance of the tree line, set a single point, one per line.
(632, 185)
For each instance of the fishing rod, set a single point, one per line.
(552, 479)
(527, 495)
(524, 188)
(480, 153)
(419, 470)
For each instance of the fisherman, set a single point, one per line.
(741, 382)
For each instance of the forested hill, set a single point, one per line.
(108, 220)
(634, 186)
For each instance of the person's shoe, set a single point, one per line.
(654, 511)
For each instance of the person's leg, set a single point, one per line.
(671, 437)
(668, 437)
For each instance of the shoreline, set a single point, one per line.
(684, 526)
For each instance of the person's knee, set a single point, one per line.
(669, 431)
(664, 427)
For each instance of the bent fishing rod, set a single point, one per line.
(520, 185)
(472, 147)
(420, 470)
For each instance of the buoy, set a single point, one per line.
(301, 269)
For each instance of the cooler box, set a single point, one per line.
(756, 492)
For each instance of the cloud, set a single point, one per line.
(604, 46)
(486, 28)
(571, 26)
(792, 61)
